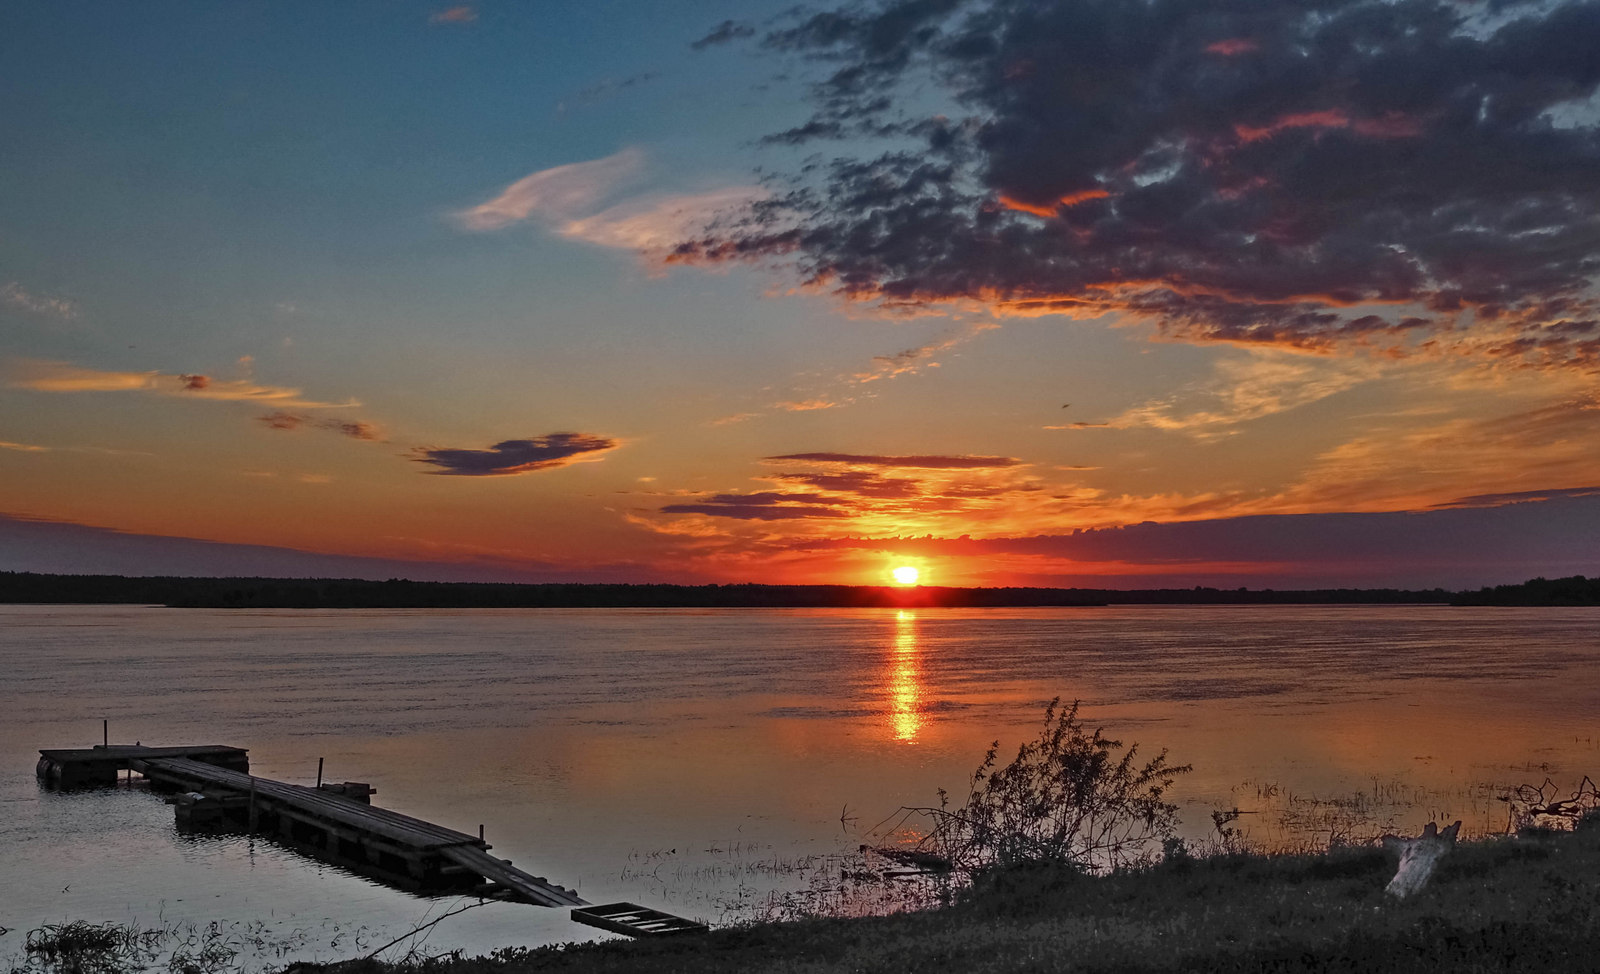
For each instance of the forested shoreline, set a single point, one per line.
(327, 593)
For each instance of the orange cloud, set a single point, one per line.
(1391, 125)
(1048, 211)
(44, 376)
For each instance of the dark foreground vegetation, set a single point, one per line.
(1524, 904)
(1530, 903)
(319, 593)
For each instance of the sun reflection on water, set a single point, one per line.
(905, 680)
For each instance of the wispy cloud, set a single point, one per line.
(102, 450)
(62, 377)
(14, 295)
(605, 89)
(1519, 497)
(912, 360)
(461, 14)
(926, 461)
(1260, 384)
(510, 457)
(764, 506)
(355, 429)
(806, 405)
(733, 418)
(560, 193)
(571, 201)
(723, 33)
(656, 223)
(1409, 463)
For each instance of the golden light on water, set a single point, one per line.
(905, 680)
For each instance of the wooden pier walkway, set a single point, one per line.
(333, 821)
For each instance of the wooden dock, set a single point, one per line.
(334, 822)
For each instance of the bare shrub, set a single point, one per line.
(1069, 797)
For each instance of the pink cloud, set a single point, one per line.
(463, 14)
(561, 192)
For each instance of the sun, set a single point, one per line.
(906, 575)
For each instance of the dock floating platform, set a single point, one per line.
(635, 920)
(98, 766)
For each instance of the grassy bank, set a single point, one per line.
(1530, 903)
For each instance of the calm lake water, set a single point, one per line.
(698, 760)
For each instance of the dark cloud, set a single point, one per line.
(195, 382)
(929, 462)
(514, 456)
(1520, 497)
(764, 506)
(282, 421)
(728, 30)
(1408, 175)
(862, 483)
(355, 429)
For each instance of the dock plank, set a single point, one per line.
(412, 832)
(534, 888)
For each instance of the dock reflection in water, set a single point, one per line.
(905, 680)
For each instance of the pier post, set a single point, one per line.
(319, 772)
(105, 731)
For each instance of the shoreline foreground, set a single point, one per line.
(1527, 902)
(1523, 903)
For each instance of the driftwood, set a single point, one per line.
(1418, 857)
(926, 862)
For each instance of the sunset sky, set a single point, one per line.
(1091, 293)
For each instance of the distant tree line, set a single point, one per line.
(346, 593)
(1575, 590)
